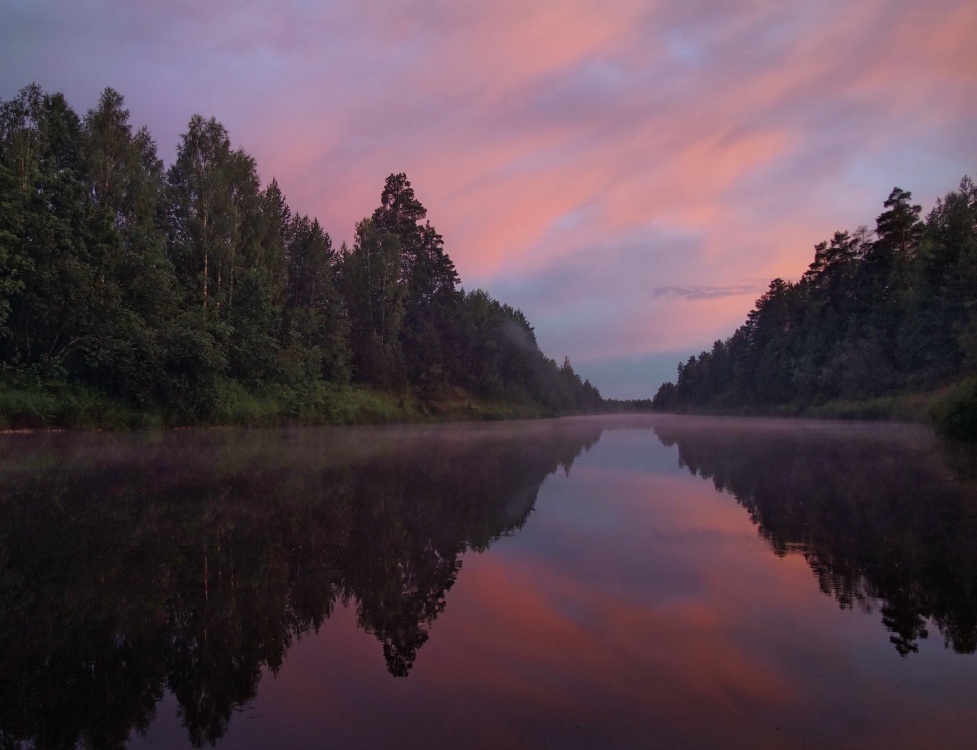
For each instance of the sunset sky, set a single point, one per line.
(630, 174)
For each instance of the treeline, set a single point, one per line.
(176, 291)
(877, 313)
(628, 405)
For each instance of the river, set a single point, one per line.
(630, 581)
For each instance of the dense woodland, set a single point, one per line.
(184, 291)
(878, 313)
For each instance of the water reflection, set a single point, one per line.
(637, 607)
(885, 517)
(188, 562)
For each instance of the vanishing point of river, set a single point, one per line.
(636, 581)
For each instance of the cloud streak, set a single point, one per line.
(706, 292)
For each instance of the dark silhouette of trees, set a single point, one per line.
(876, 313)
(173, 291)
(316, 320)
(371, 277)
(429, 279)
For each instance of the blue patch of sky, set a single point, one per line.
(634, 376)
(573, 220)
(683, 49)
(611, 273)
(926, 171)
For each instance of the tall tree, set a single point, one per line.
(429, 277)
(54, 288)
(316, 321)
(125, 173)
(371, 278)
(212, 188)
(126, 185)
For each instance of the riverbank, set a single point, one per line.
(951, 411)
(74, 407)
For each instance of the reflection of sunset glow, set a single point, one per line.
(539, 133)
(640, 606)
(618, 646)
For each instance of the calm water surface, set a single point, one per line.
(594, 582)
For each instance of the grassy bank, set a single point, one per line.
(951, 411)
(360, 405)
(61, 405)
(954, 411)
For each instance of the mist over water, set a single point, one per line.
(591, 582)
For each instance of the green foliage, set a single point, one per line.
(193, 295)
(428, 278)
(315, 321)
(240, 407)
(371, 279)
(955, 412)
(254, 349)
(27, 406)
(192, 372)
(876, 316)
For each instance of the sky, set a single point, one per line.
(630, 174)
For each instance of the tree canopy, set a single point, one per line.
(170, 290)
(878, 312)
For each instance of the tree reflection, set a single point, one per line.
(880, 517)
(189, 562)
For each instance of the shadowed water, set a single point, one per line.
(595, 582)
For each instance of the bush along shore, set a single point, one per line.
(135, 295)
(883, 325)
(62, 405)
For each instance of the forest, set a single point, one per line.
(136, 294)
(882, 324)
